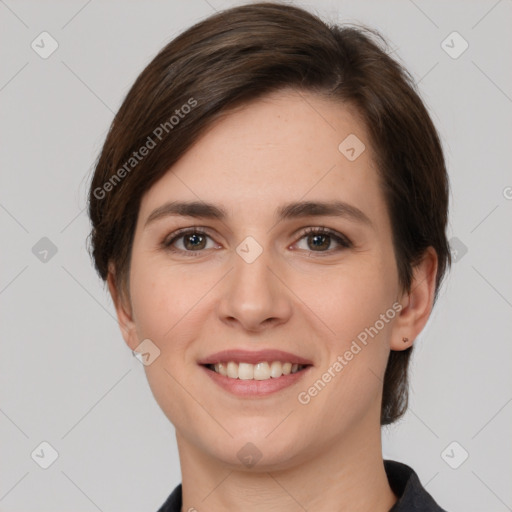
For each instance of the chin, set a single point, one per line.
(263, 449)
(258, 458)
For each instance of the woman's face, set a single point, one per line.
(255, 282)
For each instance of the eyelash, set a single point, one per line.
(342, 240)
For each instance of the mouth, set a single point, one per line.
(263, 370)
(248, 373)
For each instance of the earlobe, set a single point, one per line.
(123, 311)
(417, 303)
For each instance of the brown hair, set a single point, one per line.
(241, 54)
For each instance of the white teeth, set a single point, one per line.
(259, 371)
(262, 371)
(221, 368)
(287, 368)
(276, 369)
(245, 371)
(232, 370)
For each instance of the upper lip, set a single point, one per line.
(254, 357)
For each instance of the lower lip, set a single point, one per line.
(255, 388)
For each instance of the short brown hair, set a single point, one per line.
(237, 56)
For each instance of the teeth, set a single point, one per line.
(222, 369)
(276, 369)
(245, 371)
(232, 370)
(260, 371)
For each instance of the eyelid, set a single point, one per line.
(183, 231)
(329, 231)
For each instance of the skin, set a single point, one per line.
(325, 455)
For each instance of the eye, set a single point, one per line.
(188, 240)
(192, 240)
(320, 239)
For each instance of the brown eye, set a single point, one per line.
(320, 240)
(188, 241)
(194, 241)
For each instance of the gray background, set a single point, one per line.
(67, 377)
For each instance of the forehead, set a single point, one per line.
(286, 146)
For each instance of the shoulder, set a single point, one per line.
(412, 496)
(173, 502)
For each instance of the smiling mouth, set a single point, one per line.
(260, 371)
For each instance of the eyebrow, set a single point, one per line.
(203, 210)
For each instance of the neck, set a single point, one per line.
(347, 475)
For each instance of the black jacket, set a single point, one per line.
(412, 497)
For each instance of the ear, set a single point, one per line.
(417, 303)
(123, 310)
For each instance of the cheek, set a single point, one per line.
(162, 299)
(351, 298)
(166, 304)
(358, 309)
(356, 304)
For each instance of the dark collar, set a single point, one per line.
(412, 496)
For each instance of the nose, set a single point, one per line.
(254, 295)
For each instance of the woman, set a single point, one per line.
(269, 212)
